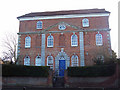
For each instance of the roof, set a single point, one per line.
(67, 12)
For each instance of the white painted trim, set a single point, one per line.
(63, 16)
(27, 62)
(72, 40)
(36, 61)
(52, 60)
(47, 41)
(101, 43)
(38, 24)
(81, 39)
(73, 60)
(85, 24)
(43, 49)
(26, 43)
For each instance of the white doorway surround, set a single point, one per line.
(61, 55)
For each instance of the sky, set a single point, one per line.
(11, 9)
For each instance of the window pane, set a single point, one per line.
(27, 60)
(50, 41)
(38, 61)
(85, 22)
(50, 61)
(74, 60)
(74, 40)
(27, 42)
(39, 25)
(99, 39)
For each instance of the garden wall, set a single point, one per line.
(28, 81)
(20, 75)
(103, 82)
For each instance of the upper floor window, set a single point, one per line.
(50, 41)
(99, 41)
(74, 60)
(27, 60)
(74, 40)
(38, 61)
(50, 61)
(27, 42)
(85, 22)
(39, 25)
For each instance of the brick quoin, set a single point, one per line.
(98, 23)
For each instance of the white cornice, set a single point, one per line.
(63, 16)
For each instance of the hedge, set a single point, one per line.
(92, 71)
(21, 70)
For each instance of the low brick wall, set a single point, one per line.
(103, 82)
(28, 81)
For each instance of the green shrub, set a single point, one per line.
(92, 71)
(21, 70)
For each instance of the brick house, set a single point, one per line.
(61, 39)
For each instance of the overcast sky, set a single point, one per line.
(11, 9)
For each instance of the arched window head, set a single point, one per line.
(27, 60)
(50, 41)
(39, 25)
(74, 40)
(99, 41)
(74, 60)
(85, 22)
(50, 61)
(38, 61)
(27, 42)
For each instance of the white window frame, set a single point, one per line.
(99, 41)
(27, 61)
(72, 60)
(62, 27)
(74, 41)
(85, 22)
(27, 42)
(38, 61)
(51, 66)
(39, 25)
(50, 41)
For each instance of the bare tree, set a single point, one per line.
(9, 44)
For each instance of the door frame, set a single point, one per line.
(64, 66)
(61, 56)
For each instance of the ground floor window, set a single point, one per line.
(38, 61)
(50, 61)
(27, 60)
(74, 60)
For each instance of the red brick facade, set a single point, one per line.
(98, 23)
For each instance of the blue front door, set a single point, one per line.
(61, 67)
